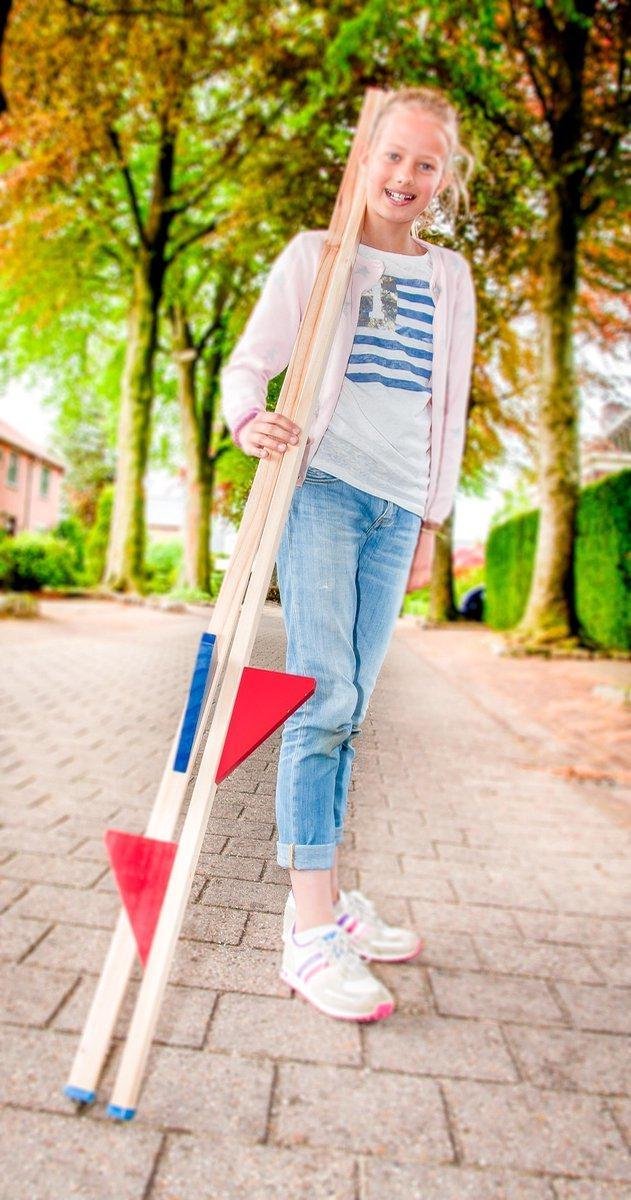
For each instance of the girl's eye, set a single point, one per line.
(393, 154)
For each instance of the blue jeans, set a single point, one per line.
(342, 563)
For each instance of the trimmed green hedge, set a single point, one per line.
(602, 564)
(510, 554)
(602, 569)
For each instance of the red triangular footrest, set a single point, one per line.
(141, 869)
(264, 700)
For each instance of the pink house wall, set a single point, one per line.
(23, 500)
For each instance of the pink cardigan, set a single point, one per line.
(266, 344)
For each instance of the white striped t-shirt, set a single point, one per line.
(378, 438)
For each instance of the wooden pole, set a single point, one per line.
(235, 624)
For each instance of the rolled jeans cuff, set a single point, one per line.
(306, 858)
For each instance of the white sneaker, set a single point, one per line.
(329, 973)
(368, 933)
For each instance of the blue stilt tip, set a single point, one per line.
(78, 1094)
(120, 1114)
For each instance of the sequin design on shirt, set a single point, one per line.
(378, 308)
(393, 344)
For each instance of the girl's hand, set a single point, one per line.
(268, 434)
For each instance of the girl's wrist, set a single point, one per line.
(244, 420)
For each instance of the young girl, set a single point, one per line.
(378, 477)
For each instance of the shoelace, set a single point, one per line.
(360, 906)
(340, 952)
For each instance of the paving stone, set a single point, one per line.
(568, 1059)
(613, 963)
(456, 950)
(505, 891)
(416, 887)
(230, 893)
(233, 1171)
(30, 996)
(250, 847)
(183, 1021)
(227, 866)
(283, 1029)
(80, 950)
(272, 873)
(69, 906)
(515, 957)
(400, 1115)
(10, 891)
(264, 931)
(18, 934)
(227, 968)
(35, 1067)
(568, 1189)
(460, 918)
(47, 1156)
(622, 1112)
(241, 827)
(603, 1009)
(400, 1181)
(600, 900)
(433, 1045)
(213, 1094)
(578, 931)
(18, 838)
(502, 997)
(205, 924)
(528, 1129)
(409, 985)
(67, 871)
(92, 850)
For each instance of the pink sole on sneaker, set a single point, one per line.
(382, 1010)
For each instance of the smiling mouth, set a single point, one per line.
(399, 197)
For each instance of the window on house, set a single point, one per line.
(44, 481)
(12, 470)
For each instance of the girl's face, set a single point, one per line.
(404, 165)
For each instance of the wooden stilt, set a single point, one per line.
(234, 627)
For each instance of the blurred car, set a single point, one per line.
(472, 603)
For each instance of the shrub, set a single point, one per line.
(32, 561)
(72, 531)
(98, 537)
(510, 554)
(602, 564)
(162, 566)
(603, 561)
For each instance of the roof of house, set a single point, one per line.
(11, 437)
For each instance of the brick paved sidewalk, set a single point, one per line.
(501, 1076)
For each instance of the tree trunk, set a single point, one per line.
(550, 614)
(127, 538)
(199, 470)
(125, 558)
(441, 589)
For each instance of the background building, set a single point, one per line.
(30, 483)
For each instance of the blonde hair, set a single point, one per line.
(460, 161)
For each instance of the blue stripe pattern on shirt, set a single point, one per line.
(394, 331)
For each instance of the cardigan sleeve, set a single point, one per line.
(265, 346)
(459, 371)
